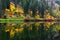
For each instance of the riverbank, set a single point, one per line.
(27, 20)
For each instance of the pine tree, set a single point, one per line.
(42, 8)
(0, 9)
(5, 4)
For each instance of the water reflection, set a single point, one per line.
(30, 31)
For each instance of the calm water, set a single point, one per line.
(30, 31)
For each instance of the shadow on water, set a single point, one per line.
(30, 31)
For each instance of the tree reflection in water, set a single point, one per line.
(30, 31)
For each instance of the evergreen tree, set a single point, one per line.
(0, 9)
(15, 1)
(25, 4)
(42, 8)
(5, 4)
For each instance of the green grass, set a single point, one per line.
(11, 20)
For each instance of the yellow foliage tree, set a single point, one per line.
(12, 6)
